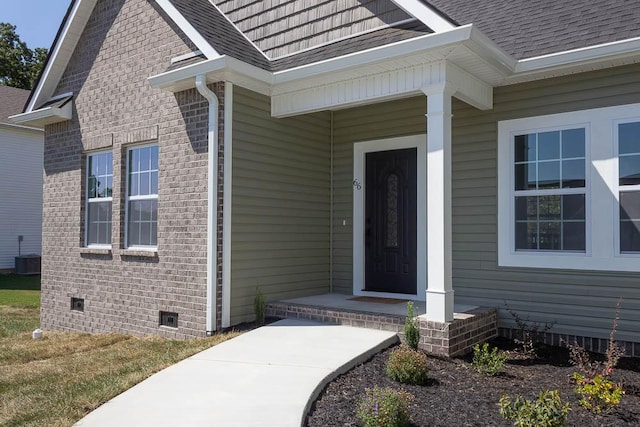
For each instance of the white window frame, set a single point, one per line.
(601, 198)
(129, 198)
(95, 200)
(622, 188)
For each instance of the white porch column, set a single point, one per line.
(439, 285)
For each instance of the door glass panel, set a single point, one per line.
(391, 234)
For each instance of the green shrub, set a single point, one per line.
(384, 407)
(598, 394)
(407, 366)
(547, 411)
(487, 362)
(259, 307)
(411, 329)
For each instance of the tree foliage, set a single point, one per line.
(19, 65)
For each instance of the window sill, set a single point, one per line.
(140, 253)
(95, 251)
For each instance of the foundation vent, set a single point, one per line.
(77, 304)
(169, 319)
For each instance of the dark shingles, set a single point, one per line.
(528, 28)
(12, 101)
(219, 32)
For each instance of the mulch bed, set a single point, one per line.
(458, 396)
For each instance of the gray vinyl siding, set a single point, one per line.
(581, 303)
(280, 203)
(287, 26)
(386, 120)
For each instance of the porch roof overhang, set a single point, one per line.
(463, 59)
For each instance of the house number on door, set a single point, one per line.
(357, 185)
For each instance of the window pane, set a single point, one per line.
(526, 208)
(549, 235)
(629, 236)
(573, 236)
(526, 176)
(154, 158)
(629, 170)
(548, 145)
(573, 173)
(154, 182)
(134, 160)
(133, 184)
(573, 207)
(573, 142)
(142, 222)
(526, 235)
(145, 158)
(549, 175)
(144, 183)
(99, 224)
(629, 138)
(549, 207)
(525, 148)
(630, 205)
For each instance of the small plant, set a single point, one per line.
(546, 411)
(384, 407)
(259, 307)
(411, 329)
(597, 394)
(581, 359)
(529, 334)
(487, 362)
(407, 366)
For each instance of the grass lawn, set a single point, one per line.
(19, 291)
(57, 380)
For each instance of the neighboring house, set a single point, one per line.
(21, 151)
(197, 149)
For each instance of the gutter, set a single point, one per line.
(212, 205)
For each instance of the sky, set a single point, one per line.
(37, 21)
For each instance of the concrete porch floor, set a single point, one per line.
(471, 324)
(347, 302)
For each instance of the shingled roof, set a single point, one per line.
(12, 101)
(522, 28)
(530, 28)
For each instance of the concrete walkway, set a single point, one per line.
(266, 377)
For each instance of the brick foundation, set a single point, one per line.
(596, 345)
(443, 339)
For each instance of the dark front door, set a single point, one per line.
(390, 221)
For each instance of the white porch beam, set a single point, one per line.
(438, 214)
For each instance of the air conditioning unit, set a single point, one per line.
(28, 264)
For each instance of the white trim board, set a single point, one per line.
(425, 13)
(360, 149)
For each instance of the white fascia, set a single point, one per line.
(188, 29)
(44, 116)
(591, 54)
(61, 52)
(223, 68)
(425, 13)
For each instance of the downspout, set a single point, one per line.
(212, 204)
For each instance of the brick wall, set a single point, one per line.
(124, 43)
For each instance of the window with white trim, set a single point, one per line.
(99, 199)
(549, 190)
(569, 190)
(142, 197)
(628, 138)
